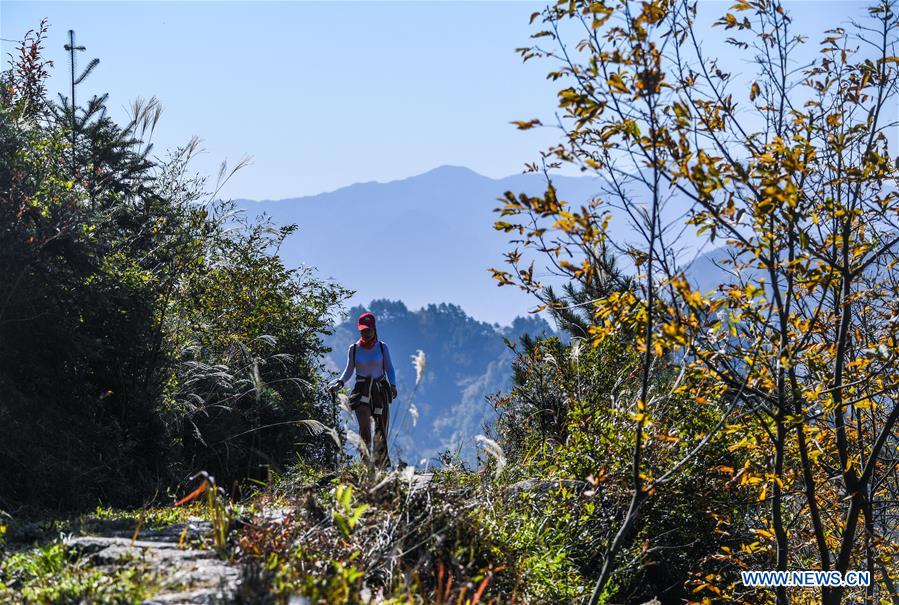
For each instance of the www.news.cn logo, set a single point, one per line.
(770, 579)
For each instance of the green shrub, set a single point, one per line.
(145, 331)
(565, 426)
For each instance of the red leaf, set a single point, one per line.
(193, 495)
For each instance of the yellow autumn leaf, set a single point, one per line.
(617, 84)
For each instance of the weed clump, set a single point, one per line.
(355, 537)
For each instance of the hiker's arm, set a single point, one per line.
(350, 366)
(391, 373)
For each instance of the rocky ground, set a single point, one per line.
(186, 574)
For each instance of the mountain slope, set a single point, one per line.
(466, 361)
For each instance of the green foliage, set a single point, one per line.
(540, 545)
(564, 429)
(340, 583)
(346, 516)
(49, 574)
(247, 334)
(150, 518)
(145, 330)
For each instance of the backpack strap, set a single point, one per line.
(354, 356)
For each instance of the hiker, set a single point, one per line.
(375, 387)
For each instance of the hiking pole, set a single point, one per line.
(333, 422)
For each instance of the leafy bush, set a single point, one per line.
(563, 428)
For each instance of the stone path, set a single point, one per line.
(421, 480)
(188, 575)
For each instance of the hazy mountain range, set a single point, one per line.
(425, 239)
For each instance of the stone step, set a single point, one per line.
(188, 575)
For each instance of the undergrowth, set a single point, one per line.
(353, 538)
(52, 574)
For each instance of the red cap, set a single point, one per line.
(366, 320)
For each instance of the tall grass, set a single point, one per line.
(409, 412)
(217, 507)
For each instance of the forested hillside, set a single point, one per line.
(466, 361)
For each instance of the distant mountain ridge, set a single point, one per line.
(424, 238)
(420, 239)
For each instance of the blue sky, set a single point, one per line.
(320, 94)
(326, 94)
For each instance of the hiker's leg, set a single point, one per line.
(382, 459)
(363, 415)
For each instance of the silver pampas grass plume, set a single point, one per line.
(575, 349)
(413, 411)
(317, 428)
(418, 362)
(407, 474)
(493, 449)
(344, 402)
